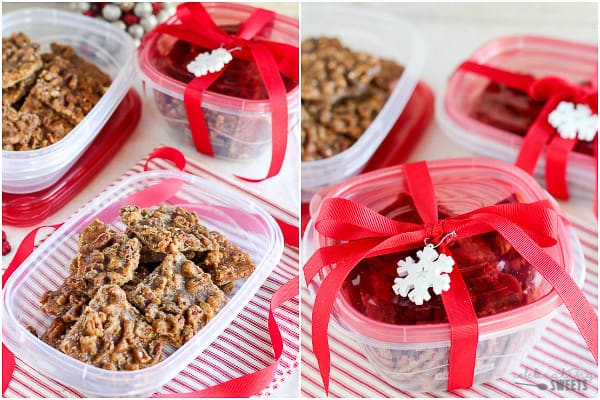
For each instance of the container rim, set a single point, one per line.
(352, 321)
(166, 369)
(355, 157)
(176, 88)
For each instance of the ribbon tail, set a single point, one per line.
(536, 138)
(271, 77)
(192, 98)
(464, 330)
(557, 155)
(580, 309)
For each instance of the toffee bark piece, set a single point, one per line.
(177, 299)
(99, 80)
(18, 91)
(111, 334)
(18, 128)
(20, 59)
(54, 126)
(65, 89)
(105, 257)
(167, 230)
(235, 263)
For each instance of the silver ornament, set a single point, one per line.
(136, 31)
(142, 9)
(126, 7)
(149, 22)
(111, 12)
(163, 15)
(119, 25)
(80, 6)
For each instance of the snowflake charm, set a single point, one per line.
(209, 62)
(415, 278)
(574, 121)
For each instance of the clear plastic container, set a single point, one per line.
(109, 48)
(240, 128)
(538, 56)
(376, 33)
(241, 221)
(415, 357)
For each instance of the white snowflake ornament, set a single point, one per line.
(574, 121)
(415, 278)
(209, 62)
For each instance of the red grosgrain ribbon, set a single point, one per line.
(527, 227)
(194, 25)
(552, 90)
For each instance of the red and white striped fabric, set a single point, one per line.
(244, 347)
(560, 355)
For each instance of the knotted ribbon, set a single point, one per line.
(365, 233)
(193, 24)
(552, 90)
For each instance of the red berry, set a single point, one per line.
(5, 245)
(156, 7)
(130, 18)
(90, 13)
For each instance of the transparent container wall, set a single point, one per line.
(242, 222)
(234, 134)
(425, 368)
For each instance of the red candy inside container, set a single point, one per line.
(408, 344)
(491, 118)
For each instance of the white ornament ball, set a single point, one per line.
(126, 7)
(143, 9)
(163, 15)
(111, 12)
(136, 31)
(149, 22)
(80, 6)
(119, 25)
(169, 6)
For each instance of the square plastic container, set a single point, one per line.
(415, 357)
(376, 33)
(239, 128)
(109, 48)
(538, 56)
(241, 221)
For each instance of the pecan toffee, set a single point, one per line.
(111, 334)
(59, 88)
(129, 294)
(178, 298)
(342, 92)
(105, 257)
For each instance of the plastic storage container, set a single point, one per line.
(31, 208)
(243, 222)
(240, 128)
(379, 34)
(538, 56)
(109, 48)
(415, 357)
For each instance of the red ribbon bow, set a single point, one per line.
(194, 25)
(527, 227)
(552, 90)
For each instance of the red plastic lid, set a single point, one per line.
(405, 134)
(29, 209)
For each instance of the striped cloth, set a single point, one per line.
(560, 355)
(244, 347)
